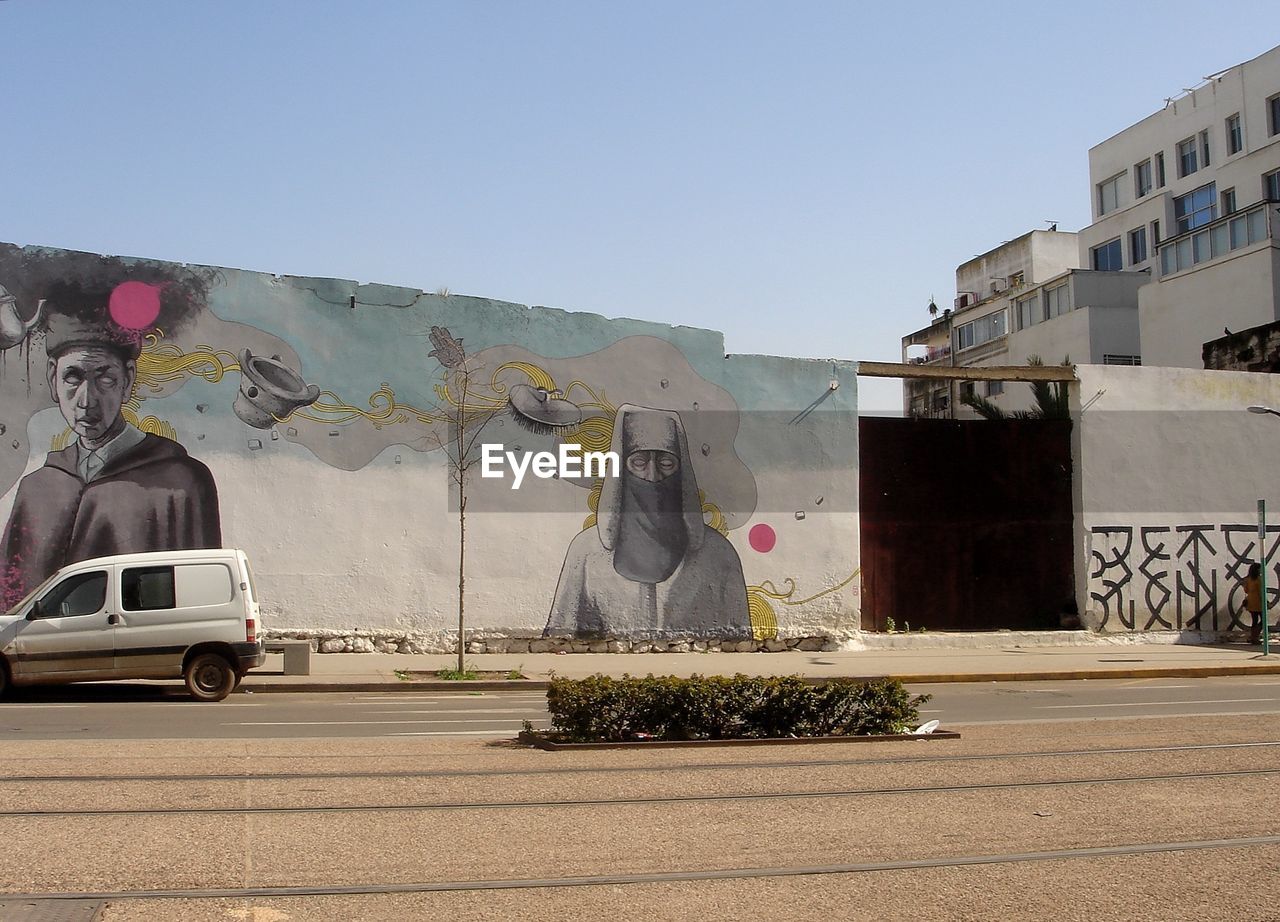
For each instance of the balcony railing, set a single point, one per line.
(934, 354)
(1217, 238)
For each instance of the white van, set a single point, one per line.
(159, 615)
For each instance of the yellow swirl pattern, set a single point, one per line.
(763, 618)
(151, 424)
(538, 377)
(764, 623)
(161, 363)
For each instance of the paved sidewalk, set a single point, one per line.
(993, 663)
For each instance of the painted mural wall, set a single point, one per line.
(318, 424)
(1171, 467)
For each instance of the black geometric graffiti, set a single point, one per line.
(1114, 583)
(1198, 586)
(1157, 592)
(1197, 581)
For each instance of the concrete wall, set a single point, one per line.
(309, 421)
(1181, 313)
(1038, 254)
(1169, 470)
(1052, 253)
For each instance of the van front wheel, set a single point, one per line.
(209, 677)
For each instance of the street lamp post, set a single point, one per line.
(1262, 550)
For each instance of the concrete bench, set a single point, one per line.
(297, 655)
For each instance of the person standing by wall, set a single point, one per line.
(1253, 602)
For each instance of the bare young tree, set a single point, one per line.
(465, 418)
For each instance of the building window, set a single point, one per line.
(1240, 230)
(1160, 170)
(1155, 233)
(1228, 202)
(1141, 178)
(995, 388)
(1109, 194)
(1204, 148)
(1273, 115)
(982, 330)
(1017, 280)
(1111, 359)
(1137, 246)
(1195, 209)
(1187, 158)
(1271, 186)
(1108, 257)
(1056, 301)
(1235, 135)
(1029, 312)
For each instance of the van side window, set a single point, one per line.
(146, 588)
(82, 594)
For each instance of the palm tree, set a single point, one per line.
(1051, 399)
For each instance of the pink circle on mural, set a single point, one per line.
(135, 305)
(762, 538)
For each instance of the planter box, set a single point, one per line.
(542, 741)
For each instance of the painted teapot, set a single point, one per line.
(13, 329)
(270, 391)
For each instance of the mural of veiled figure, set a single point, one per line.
(650, 565)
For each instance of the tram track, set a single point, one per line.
(956, 861)
(587, 803)
(914, 759)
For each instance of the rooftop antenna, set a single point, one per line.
(1053, 225)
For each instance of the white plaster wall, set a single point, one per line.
(1039, 254)
(1179, 314)
(1174, 452)
(1053, 339)
(378, 548)
(1052, 253)
(975, 275)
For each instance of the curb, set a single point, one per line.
(539, 741)
(392, 687)
(1154, 672)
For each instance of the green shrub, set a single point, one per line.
(600, 708)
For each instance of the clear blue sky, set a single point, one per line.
(802, 176)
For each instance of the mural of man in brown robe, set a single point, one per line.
(114, 490)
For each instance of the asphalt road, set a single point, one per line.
(1145, 819)
(122, 712)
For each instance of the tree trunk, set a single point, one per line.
(462, 576)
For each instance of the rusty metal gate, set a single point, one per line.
(965, 524)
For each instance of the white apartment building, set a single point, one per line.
(1026, 297)
(1183, 245)
(1192, 194)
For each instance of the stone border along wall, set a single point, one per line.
(399, 642)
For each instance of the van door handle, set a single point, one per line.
(113, 619)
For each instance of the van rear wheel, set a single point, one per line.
(4, 677)
(209, 677)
